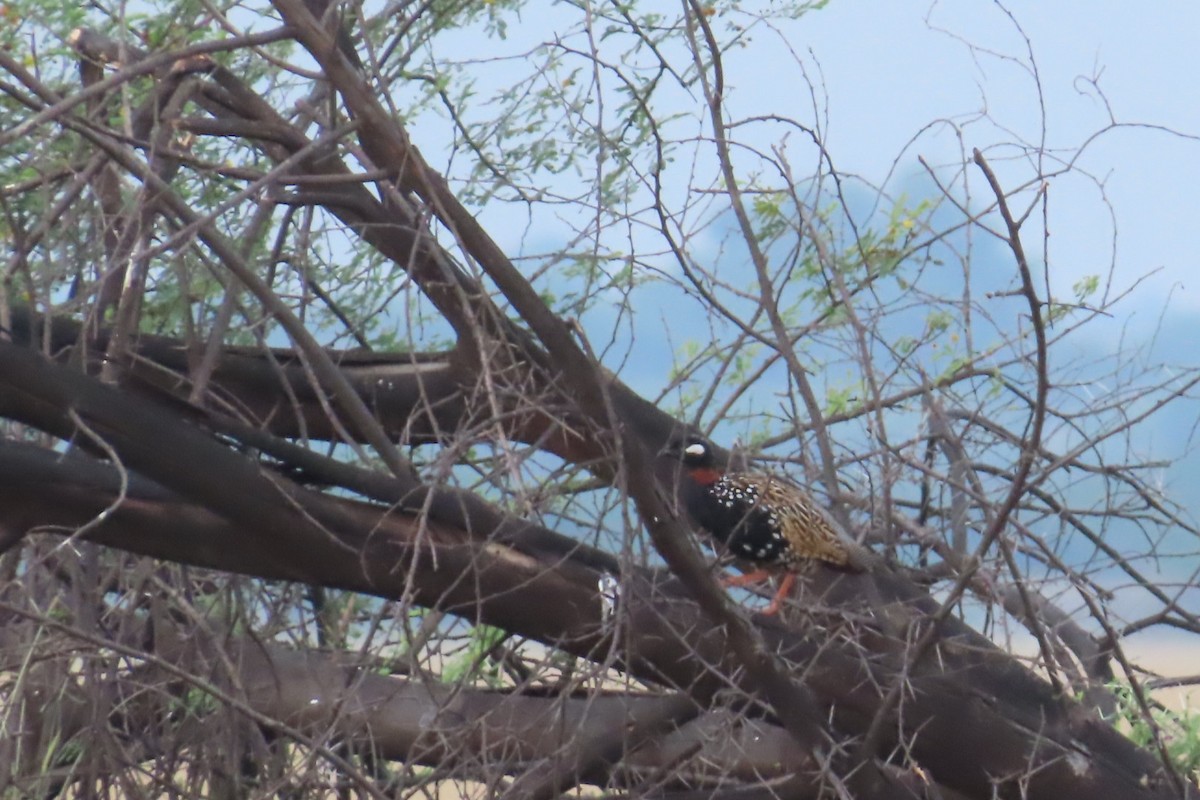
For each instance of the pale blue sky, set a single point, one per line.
(887, 69)
(888, 73)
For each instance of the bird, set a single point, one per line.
(760, 518)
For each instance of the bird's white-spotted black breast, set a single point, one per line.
(749, 528)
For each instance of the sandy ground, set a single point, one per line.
(1170, 656)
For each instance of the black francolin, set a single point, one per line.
(760, 518)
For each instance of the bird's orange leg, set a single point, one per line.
(785, 586)
(746, 578)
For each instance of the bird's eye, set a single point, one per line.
(695, 450)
